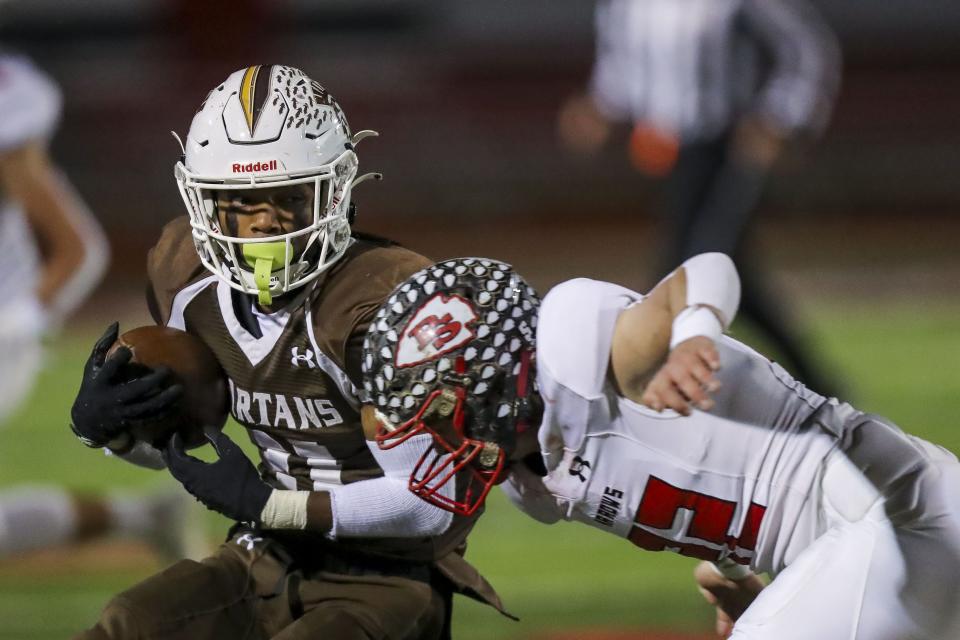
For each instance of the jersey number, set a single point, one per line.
(710, 522)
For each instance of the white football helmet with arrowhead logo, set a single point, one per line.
(265, 127)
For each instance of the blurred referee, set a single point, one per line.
(714, 89)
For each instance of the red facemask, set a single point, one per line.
(480, 464)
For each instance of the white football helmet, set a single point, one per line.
(266, 127)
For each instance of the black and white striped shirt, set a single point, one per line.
(693, 67)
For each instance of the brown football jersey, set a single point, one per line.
(296, 386)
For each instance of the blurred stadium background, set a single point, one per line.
(862, 233)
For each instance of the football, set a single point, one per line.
(204, 402)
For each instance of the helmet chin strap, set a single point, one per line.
(265, 258)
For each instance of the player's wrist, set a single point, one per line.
(695, 320)
(285, 510)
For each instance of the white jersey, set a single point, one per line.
(734, 483)
(859, 521)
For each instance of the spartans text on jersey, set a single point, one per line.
(279, 410)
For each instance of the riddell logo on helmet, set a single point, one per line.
(439, 326)
(250, 167)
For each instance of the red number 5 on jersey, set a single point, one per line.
(708, 525)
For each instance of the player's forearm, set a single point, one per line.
(700, 298)
(381, 507)
(707, 298)
(319, 512)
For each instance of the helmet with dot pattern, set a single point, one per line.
(450, 353)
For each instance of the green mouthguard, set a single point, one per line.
(263, 256)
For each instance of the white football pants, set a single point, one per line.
(871, 579)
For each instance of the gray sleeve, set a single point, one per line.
(804, 76)
(755, 390)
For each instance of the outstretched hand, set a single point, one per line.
(230, 485)
(685, 381)
(730, 597)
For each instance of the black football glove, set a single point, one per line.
(109, 400)
(231, 485)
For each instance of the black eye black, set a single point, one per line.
(292, 201)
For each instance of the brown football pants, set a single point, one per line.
(248, 591)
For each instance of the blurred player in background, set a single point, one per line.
(635, 415)
(52, 255)
(267, 272)
(715, 90)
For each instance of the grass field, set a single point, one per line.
(899, 360)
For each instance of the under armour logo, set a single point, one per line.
(307, 357)
(249, 540)
(577, 467)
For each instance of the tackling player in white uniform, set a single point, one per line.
(39, 208)
(635, 415)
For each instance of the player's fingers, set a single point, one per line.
(180, 463)
(144, 386)
(709, 597)
(113, 364)
(103, 344)
(154, 405)
(704, 375)
(662, 393)
(174, 452)
(709, 354)
(652, 401)
(672, 399)
(651, 395)
(724, 625)
(221, 442)
(691, 388)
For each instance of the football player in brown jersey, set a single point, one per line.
(266, 271)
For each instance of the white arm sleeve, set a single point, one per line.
(712, 280)
(385, 507)
(527, 492)
(713, 295)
